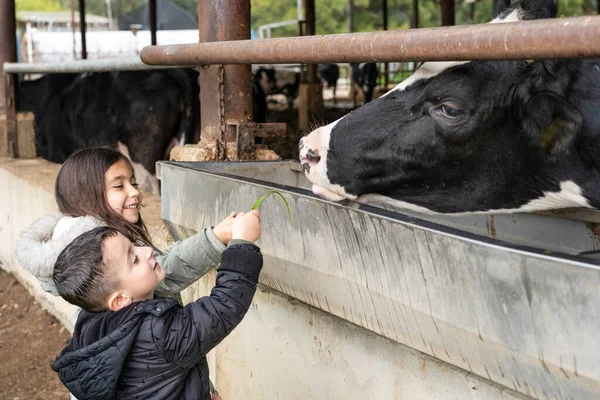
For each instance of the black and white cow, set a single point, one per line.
(279, 81)
(329, 74)
(475, 136)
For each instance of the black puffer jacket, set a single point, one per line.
(156, 349)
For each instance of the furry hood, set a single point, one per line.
(36, 250)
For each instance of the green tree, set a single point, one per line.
(38, 5)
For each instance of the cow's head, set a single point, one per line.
(470, 136)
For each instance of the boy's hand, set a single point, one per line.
(246, 226)
(223, 229)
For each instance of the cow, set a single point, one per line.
(364, 76)
(329, 74)
(148, 112)
(142, 109)
(279, 81)
(470, 137)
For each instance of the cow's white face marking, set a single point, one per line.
(318, 143)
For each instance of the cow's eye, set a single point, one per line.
(450, 111)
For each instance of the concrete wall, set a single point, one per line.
(284, 349)
(28, 194)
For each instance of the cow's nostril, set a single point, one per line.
(313, 155)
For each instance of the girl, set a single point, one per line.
(94, 187)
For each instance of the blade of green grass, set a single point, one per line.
(259, 201)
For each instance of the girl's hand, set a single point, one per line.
(223, 229)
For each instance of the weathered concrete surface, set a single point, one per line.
(284, 349)
(28, 194)
(520, 317)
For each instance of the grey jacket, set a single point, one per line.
(184, 262)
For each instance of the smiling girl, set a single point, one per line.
(96, 187)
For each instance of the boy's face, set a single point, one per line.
(135, 268)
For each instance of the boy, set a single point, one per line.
(128, 345)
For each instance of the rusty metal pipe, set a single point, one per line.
(576, 37)
(225, 90)
(447, 12)
(8, 53)
(8, 49)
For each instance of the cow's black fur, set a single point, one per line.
(365, 76)
(329, 74)
(144, 110)
(479, 136)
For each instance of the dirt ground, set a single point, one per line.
(30, 340)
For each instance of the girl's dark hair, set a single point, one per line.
(79, 191)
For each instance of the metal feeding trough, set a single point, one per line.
(508, 297)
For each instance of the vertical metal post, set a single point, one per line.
(8, 53)
(386, 70)
(310, 94)
(350, 16)
(225, 91)
(447, 12)
(73, 26)
(152, 17)
(82, 27)
(471, 12)
(414, 21)
(311, 30)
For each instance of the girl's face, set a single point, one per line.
(122, 194)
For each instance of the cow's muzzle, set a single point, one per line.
(308, 156)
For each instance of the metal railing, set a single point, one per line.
(99, 65)
(576, 37)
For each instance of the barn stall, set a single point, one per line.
(359, 301)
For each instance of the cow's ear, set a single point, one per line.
(551, 122)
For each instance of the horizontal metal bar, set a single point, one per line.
(552, 38)
(100, 65)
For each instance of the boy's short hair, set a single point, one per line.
(80, 273)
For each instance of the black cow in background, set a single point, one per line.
(364, 75)
(147, 111)
(144, 110)
(329, 74)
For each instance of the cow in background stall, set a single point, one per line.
(279, 81)
(329, 74)
(147, 112)
(478, 136)
(364, 76)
